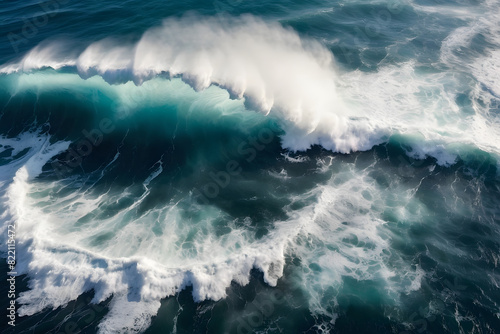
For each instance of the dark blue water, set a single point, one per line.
(250, 167)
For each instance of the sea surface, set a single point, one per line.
(237, 166)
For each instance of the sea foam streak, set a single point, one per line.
(61, 269)
(139, 266)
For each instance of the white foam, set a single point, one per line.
(485, 67)
(422, 107)
(154, 255)
(457, 40)
(138, 266)
(341, 234)
(487, 71)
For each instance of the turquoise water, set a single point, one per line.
(251, 167)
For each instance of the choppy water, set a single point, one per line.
(251, 167)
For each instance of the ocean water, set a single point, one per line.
(235, 166)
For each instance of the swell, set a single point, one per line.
(270, 67)
(292, 80)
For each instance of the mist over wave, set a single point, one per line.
(267, 64)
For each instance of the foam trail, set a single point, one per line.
(357, 242)
(138, 269)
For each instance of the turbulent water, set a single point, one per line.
(251, 166)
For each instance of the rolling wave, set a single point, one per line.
(121, 164)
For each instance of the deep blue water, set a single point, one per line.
(250, 167)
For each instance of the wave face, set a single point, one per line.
(294, 80)
(262, 62)
(293, 170)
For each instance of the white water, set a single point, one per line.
(154, 255)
